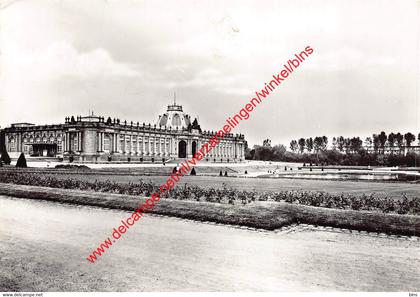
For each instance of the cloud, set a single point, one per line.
(60, 59)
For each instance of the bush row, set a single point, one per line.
(225, 194)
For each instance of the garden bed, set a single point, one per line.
(225, 195)
(261, 214)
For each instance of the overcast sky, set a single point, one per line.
(126, 59)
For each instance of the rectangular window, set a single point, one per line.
(12, 145)
(107, 143)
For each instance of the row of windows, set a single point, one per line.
(32, 140)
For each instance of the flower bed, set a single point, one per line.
(224, 195)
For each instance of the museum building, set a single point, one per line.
(93, 139)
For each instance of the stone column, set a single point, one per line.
(68, 141)
(142, 144)
(111, 142)
(118, 142)
(112, 146)
(78, 141)
(81, 141)
(101, 142)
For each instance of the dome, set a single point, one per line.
(174, 118)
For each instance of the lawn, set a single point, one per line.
(381, 189)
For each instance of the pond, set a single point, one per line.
(376, 176)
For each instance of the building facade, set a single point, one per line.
(92, 139)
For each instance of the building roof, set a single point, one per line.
(174, 118)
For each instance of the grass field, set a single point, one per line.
(381, 189)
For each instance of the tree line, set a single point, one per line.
(394, 149)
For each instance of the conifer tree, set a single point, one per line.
(5, 158)
(21, 162)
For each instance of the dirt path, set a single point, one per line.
(43, 247)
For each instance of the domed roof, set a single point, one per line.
(174, 118)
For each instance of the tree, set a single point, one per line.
(356, 144)
(278, 152)
(334, 143)
(309, 144)
(21, 162)
(5, 158)
(193, 172)
(324, 143)
(368, 142)
(347, 145)
(294, 146)
(391, 140)
(340, 143)
(263, 153)
(409, 138)
(376, 142)
(399, 138)
(267, 143)
(318, 141)
(248, 153)
(109, 121)
(301, 143)
(72, 120)
(382, 140)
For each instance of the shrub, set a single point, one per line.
(21, 162)
(5, 158)
(224, 195)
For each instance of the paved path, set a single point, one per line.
(43, 247)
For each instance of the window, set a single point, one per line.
(107, 143)
(152, 145)
(12, 145)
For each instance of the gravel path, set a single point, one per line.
(43, 247)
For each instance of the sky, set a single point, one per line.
(126, 59)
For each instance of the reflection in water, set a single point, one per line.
(344, 176)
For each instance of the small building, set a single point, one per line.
(93, 139)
